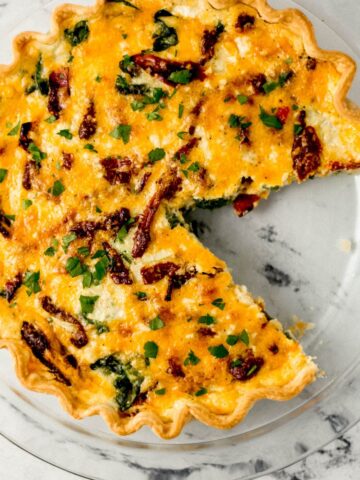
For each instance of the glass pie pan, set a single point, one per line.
(300, 252)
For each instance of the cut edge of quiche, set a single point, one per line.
(185, 409)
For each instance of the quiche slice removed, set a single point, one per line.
(112, 127)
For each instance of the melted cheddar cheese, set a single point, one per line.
(224, 107)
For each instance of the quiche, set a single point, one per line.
(113, 127)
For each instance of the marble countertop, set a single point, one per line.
(339, 460)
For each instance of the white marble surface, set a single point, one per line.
(339, 460)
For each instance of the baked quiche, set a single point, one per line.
(116, 124)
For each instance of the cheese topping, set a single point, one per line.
(108, 134)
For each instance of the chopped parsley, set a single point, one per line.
(180, 110)
(88, 304)
(74, 267)
(124, 230)
(207, 320)
(151, 350)
(156, 323)
(3, 173)
(78, 34)
(67, 240)
(31, 282)
(15, 130)
(51, 119)
(219, 303)
(218, 351)
(154, 115)
(160, 391)
(101, 268)
(156, 154)
(57, 189)
(65, 133)
(271, 121)
(269, 87)
(242, 99)
(27, 203)
(37, 154)
(298, 129)
(141, 296)
(200, 392)
(90, 147)
(243, 337)
(122, 234)
(50, 252)
(232, 339)
(237, 121)
(181, 135)
(87, 279)
(191, 359)
(194, 167)
(121, 132)
(181, 76)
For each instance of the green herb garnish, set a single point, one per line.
(78, 34)
(160, 391)
(151, 350)
(218, 351)
(219, 303)
(74, 266)
(88, 304)
(31, 282)
(3, 173)
(57, 189)
(271, 121)
(141, 295)
(156, 155)
(37, 154)
(191, 359)
(65, 133)
(207, 319)
(242, 99)
(156, 323)
(27, 203)
(121, 132)
(15, 130)
(200, 392)
(181, 76)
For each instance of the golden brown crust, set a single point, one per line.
(299, 23)
(186, 409)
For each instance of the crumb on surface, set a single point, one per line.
(345, 245)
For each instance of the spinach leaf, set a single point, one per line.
(166, 36)
(126, 88)
(127, 65)
(41, 84)
(127, 379)
(211, 204)
(78, 34)
(124, 2)
(271, 121)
